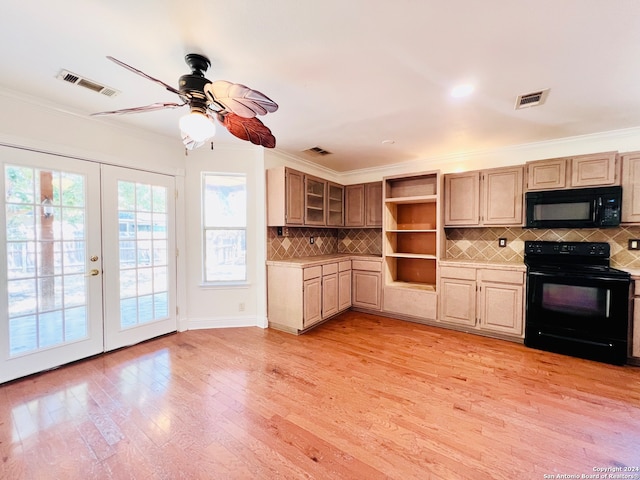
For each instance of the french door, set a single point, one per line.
(86, 260)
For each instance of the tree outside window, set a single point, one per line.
(224, 219)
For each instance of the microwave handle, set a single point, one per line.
(597, 206)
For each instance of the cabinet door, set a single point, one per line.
(501, 307)
(294, 191)
(502, 196)
(458, 301)
(335, 204)
(312, 301)
(366, 289)
(354, 205)
(315, 190)
(547, 174)
(373, 204)
(344, 290)
(462, 199)
(592, 170)
(329, 295)
(631, 187)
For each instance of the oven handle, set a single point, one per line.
(561, 274)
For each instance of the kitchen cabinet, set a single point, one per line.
(458, 295)
(363, 205)
(335, 205)
(315, 191)
(303, 293)
(492, 197)
(488, 300)
(329, 290)
(412, 236)
(367, 284)
(630, 187)
(593, 170)
(344, 285)
(285, 197)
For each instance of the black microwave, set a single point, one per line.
(575, 208)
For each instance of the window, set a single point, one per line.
(224, 220)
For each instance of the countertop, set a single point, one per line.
(312, 261)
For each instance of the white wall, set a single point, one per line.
(208, 306)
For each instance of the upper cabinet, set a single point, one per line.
(335, 205)
(363, 205)
(315, 192)
(599, 169)
(631, 187)
(297, 199)
(285, 197)
(484, 198)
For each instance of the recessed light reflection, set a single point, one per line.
(462, 90)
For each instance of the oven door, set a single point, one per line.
(578, 313)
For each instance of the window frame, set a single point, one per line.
(206, 228)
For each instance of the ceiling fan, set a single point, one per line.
(234, 105)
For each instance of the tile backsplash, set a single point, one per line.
(482, 243)
(325, 241)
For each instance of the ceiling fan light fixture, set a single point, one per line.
(197, 126)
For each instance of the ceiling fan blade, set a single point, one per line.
(250, 129)
(146, 108)
(239, 99)
(142, 74)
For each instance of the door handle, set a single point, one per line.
(93, 273)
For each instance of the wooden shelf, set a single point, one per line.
(414, 285)
(406, 230)
(411, 255)
(415, 199)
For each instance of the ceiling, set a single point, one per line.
(367, 80)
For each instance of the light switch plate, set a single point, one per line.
(634, 244)
(502, 242)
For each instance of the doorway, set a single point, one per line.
(88, 254)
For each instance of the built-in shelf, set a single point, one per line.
(414, 199)
(411, 233)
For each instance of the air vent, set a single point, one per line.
(317, 151)
(74, 79)
(532, 99)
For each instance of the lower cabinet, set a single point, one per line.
(486, 299)
(301, 296)
(367, 284)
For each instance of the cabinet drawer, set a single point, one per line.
(461, 273)
(344, 265)
(329, 269)
(311, 272)
(501, 276)
(366, 265)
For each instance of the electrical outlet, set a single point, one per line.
(285, 231)
(311, 240)
(241, 307)
(502, 242)
(634, 244)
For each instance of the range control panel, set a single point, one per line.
(585, 249)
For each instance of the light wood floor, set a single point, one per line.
(360, 397)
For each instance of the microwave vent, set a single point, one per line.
(531, 99)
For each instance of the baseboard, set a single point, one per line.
(224, 322)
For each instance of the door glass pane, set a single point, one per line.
(46, 250)
(143, 245)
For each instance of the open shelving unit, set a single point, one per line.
(412, 235)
